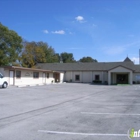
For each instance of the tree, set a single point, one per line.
(67, 57)
(38, 52)
(87, 59)
(52, 57)
(32, 54)
(10, 46)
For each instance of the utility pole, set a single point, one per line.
(139, 56)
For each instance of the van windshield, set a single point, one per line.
(1, 76)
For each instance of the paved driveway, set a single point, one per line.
(69, 112)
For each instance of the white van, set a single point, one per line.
(3, 81)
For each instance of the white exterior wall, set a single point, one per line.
(87, 77)
(27, 78)
(50, 79)
(105, 76)
(68, 76)
(76, 73)
(61, 77)
(97, 73)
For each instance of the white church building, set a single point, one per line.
(125, 72)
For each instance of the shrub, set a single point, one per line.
(97, 81)
(105, 82)
(134, 82)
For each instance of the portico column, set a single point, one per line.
(102, 77)
(130, 78)
(81, 77)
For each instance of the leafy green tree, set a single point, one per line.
(38, 52)
(87, 59)
(52, 57)
(10, 46)
(67, 57)
(32, 54)
(56, 58)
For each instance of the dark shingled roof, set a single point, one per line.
(137, 68)
(99, 66)
(127, 59)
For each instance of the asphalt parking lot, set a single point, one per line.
(69, 112)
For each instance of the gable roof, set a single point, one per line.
(94, 66)
(122, 67)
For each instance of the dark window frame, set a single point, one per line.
(77, 77)
(18, 74)
(97, 77)
(36, 75)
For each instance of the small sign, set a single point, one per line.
(27, 74)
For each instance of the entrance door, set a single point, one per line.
(56, 77)
(44, 78)
(11, 77)
(122, 78)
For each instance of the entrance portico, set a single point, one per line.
(120, 75)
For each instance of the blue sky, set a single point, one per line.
(106, 30)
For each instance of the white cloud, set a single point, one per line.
(59, 32)
(79, 18)
(135, 60)
(46, 31)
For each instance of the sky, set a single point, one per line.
(106, 30)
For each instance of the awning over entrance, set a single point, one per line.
(119, 78)
(120, 75)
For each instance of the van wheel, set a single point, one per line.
(4, 85)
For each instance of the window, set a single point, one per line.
(1, 76)
(47, 75)
(18, 74)
(138, 77)
(97, 77)
(36, 75)
(77, 77)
